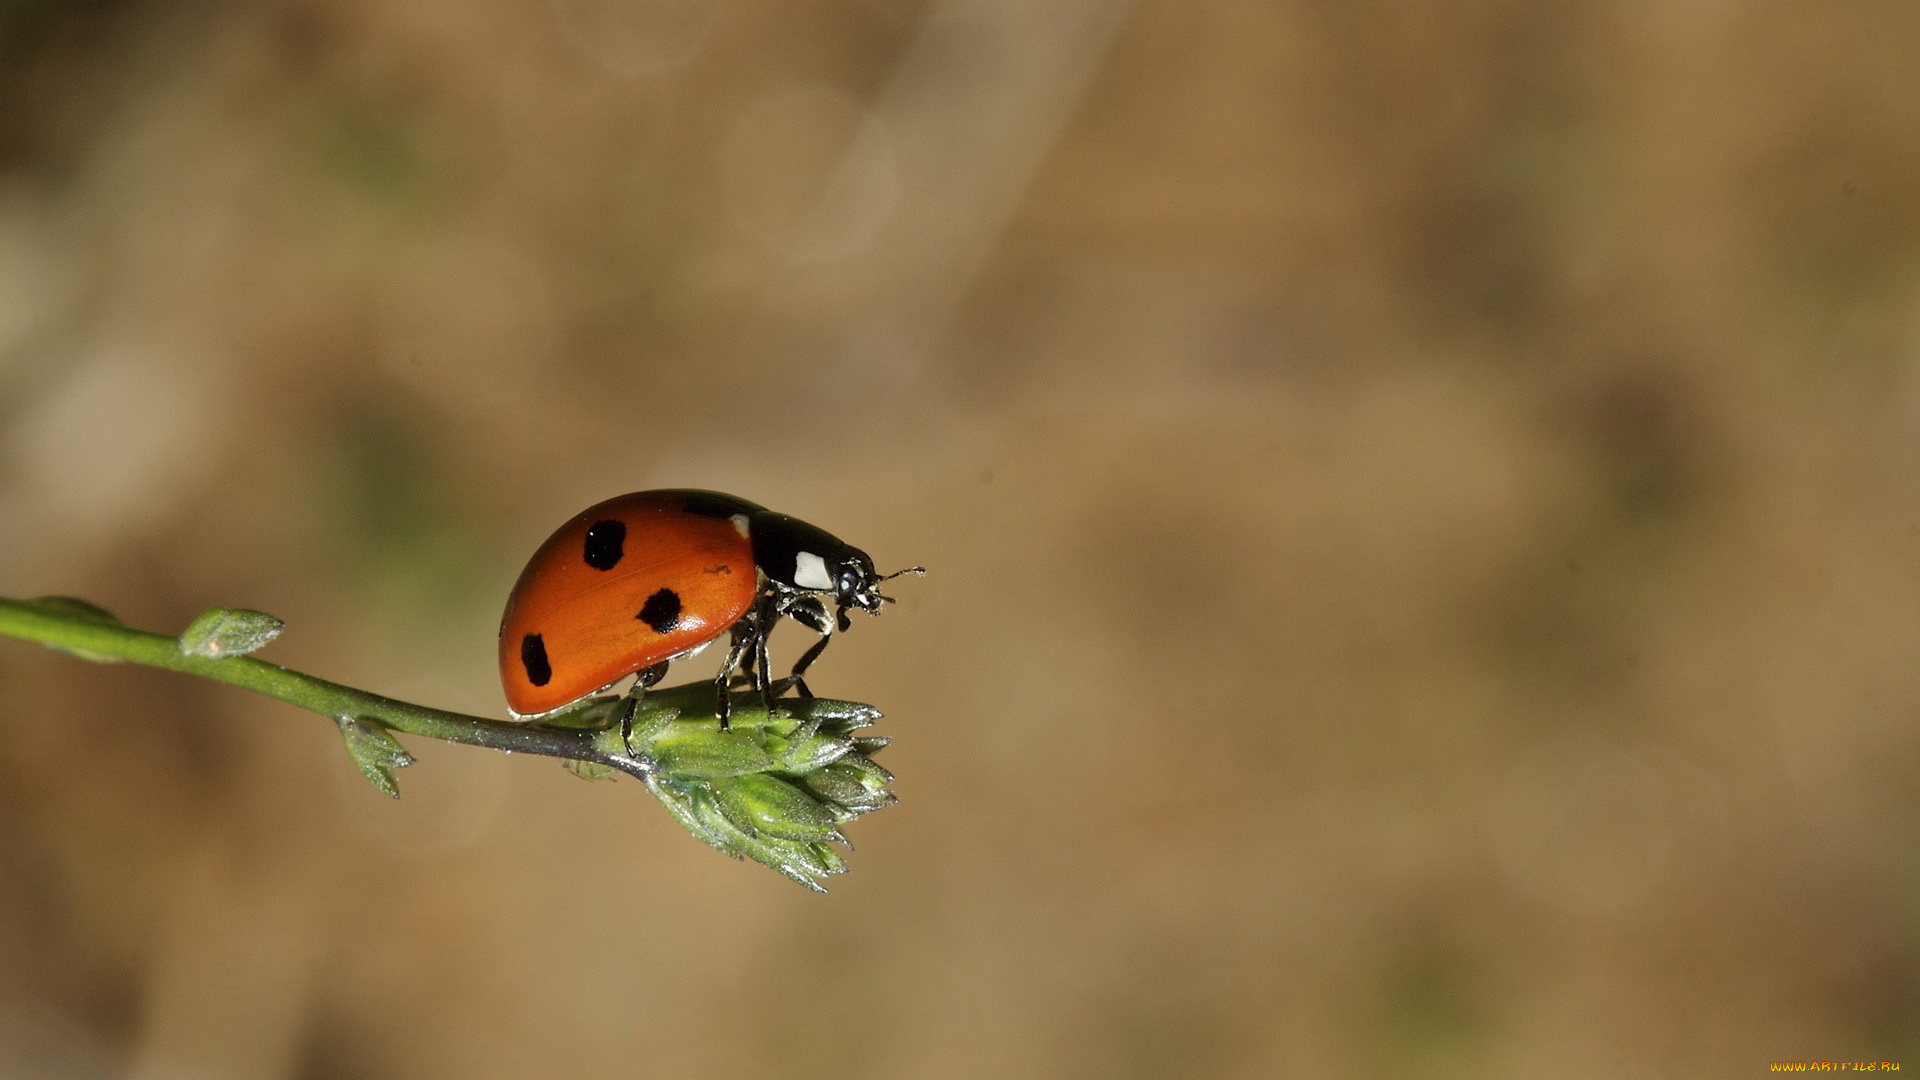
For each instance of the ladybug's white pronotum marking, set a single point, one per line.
(810, 572)
(742, 524)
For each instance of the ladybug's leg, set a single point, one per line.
(631, 705)
(757, 623)
(740, 649)
(806, 660)
(764, 677)
(812, 614)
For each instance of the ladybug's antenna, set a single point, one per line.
(920, 571)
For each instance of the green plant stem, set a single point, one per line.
(107, 640)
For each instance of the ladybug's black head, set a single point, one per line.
(807, 558)
(855, 584)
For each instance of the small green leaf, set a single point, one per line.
(74, 607)
(817, 858)
(807, 754)
(693, 812)
(839, 717)
(589, 770)
(219, 632)
(853, 783)
(871, 774)
(375, 751)
(836, 785)
(708, 754)
(803, 862)
(713, 825)
(764, 804)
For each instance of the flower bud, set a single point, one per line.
(219, 632)
(775, 787)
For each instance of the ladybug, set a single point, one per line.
(635, 582)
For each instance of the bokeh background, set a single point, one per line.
(1423, 501)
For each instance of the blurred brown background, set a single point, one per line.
(1421, 499)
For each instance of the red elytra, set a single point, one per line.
(624, 585)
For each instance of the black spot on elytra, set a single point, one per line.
(661, 611)
(533, 657)
(606, 542)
